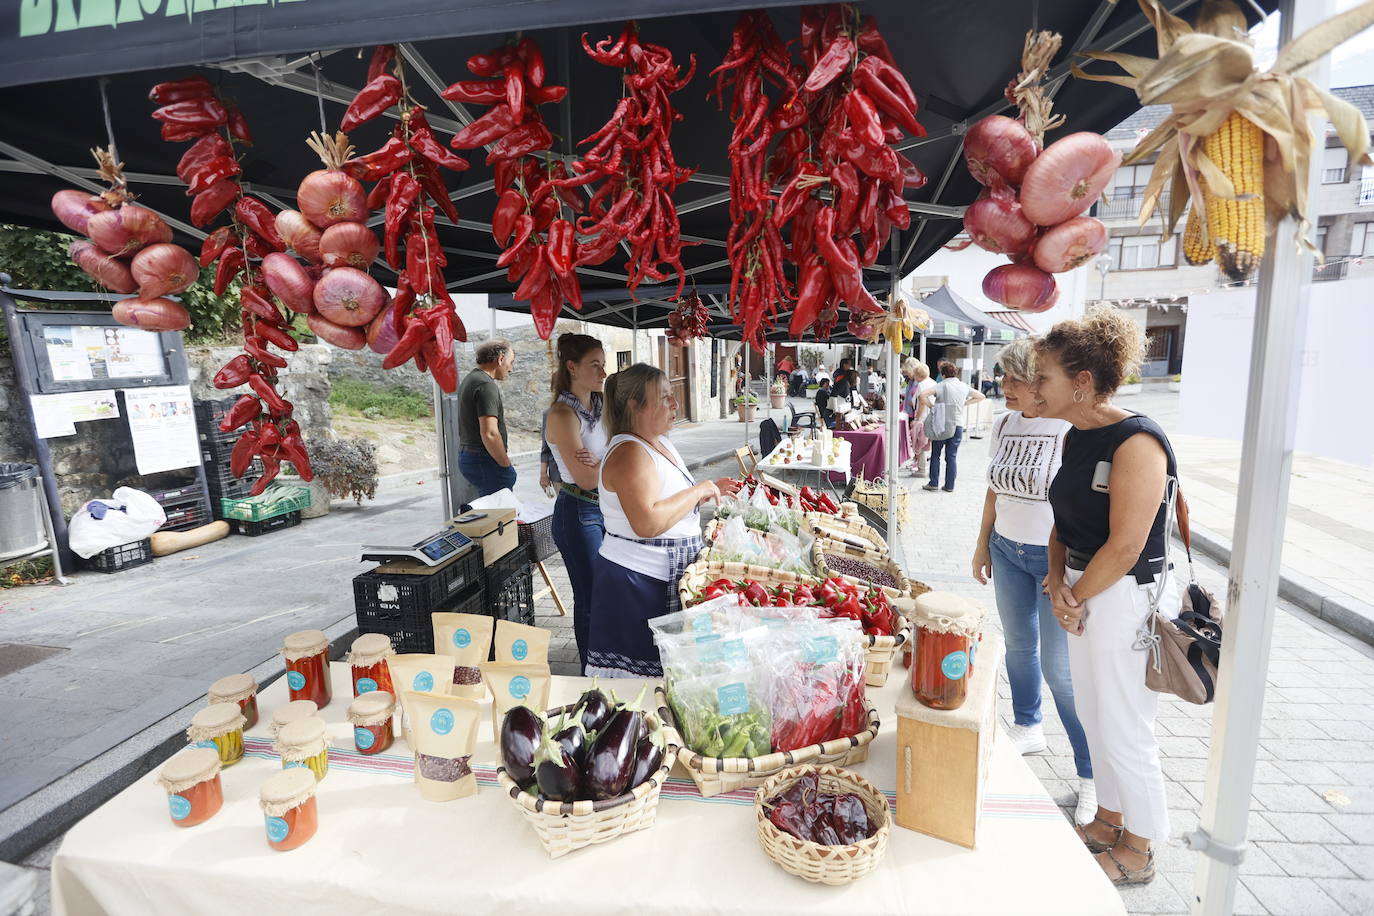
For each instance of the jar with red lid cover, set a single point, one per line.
(194, 791)
(368, 657)
(945, 631)
(370, 714)
(240, 689)
(289, 810)
(307, 667)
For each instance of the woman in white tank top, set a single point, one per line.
(577, 438)
(653, 530)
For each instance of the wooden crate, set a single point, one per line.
(942, 756)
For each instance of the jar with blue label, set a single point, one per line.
(945, 633)
(290, 815)
(370, 715)
(219, 726)
(194, 791)
(368, 657)
(307, 667)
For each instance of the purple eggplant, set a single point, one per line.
(596, 709)
(557, 775)
(573, 739)
(611, 757)
(521, 731)
(648, 758)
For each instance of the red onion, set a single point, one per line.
(1067, 178)
(152, 314)
(381, 333)
(109, 272)
(1020, 286)
(1071, 244)
(999, 147)
(127, 229)
(289, 282)
(162, 269)
(74, 208)
(347, 296)
(328, 331)
(299, 234)
(997, 225)
(349, 245)
(328, 196)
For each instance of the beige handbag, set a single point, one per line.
(1184, 653)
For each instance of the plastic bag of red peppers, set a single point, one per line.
(835, 123)
(192, 110)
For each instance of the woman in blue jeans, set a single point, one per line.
(577, 437)
(1013, 549)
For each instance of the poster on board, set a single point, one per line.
(163, 427)
(78, 353)
(54, 414)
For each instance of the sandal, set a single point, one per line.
(1097, 846)
(1129, 876)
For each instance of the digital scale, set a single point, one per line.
(423, 556)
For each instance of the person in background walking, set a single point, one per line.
(949, 401)
(1108, 558)
(1013, 549)
(482, 438)
(918, 384)
(823, 414)
(577, 438)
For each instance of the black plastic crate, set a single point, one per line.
(177, 496)
(400, 605)
(267, 526)
(510, 586)
(125, 556)
(538, 534)
(220, 481)
(186, 516)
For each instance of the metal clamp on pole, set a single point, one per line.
(1202, 841)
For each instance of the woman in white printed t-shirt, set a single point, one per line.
(1013, 547)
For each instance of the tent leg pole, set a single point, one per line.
(890, 392)
(747, 422)
(1261, 507)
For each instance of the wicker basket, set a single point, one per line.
(567, 826)
(706, 570)
(835, 528)
(718, 775)
(880, 560)
(819, 864)
(709, 537)
(873, 493)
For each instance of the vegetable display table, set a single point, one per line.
(799, 456)
(380, 848)
(868, 449)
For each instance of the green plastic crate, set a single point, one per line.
(276, 500)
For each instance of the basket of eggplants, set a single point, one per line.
(588, 772)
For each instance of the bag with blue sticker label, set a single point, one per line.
(512, 684)
(445, 729)
(717, 686)
(467, 639)
(419, 672)
(718, 615)
(516, 642)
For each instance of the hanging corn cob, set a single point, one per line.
(1236, 226)
(1197, 250)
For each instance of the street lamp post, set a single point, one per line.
(1104, 266)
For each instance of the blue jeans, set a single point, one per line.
(578, 531)
(484, 473)
(950, 448)
(1036, 645)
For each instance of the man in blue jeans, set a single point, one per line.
(482, 420)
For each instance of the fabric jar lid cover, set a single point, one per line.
(369, 649)
(215, 720)
(188, 768)
(235, 688)
(302, 733)
(304, 644)
(292, 712)
(372, 708)
(286, 790)
(946, 612)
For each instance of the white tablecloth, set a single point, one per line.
(383, 850)
(834, 463)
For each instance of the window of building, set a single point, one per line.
(622, 360)
(1130, 182)
(1366, 186)
(1334, 161)
(1141, 252)
(1322, 232)
(1362, 240)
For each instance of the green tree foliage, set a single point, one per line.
(37, 259)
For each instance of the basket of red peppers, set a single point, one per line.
(822, 823)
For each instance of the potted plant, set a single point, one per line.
(345, 468)
(1176, 383)
(1131, 385)
(746, 404)
(777, 393)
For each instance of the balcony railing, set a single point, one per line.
(1335, 268)
(1124, 207)
(1367, 191)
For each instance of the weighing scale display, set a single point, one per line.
(432, 551)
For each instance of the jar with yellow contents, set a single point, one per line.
(219, 726)
(303, 744)
(240, 689)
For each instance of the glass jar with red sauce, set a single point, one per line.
(307, 667)
(194, 792)
(240, 689)
(288, 807)
(370, 714)
(945, 632)
(368, 658)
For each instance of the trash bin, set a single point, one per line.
(21, 511)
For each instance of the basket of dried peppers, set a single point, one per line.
(835, 850)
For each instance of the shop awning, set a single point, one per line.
(1013, 319)
(53, 60)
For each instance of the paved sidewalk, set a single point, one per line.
(1312, 815)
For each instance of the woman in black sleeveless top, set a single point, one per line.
(1107, 552)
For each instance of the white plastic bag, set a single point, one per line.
(128, 515)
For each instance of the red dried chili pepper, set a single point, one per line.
(881, 83)
(814, 291)
(399, 204)
(263, 389)
(380, 163)
(479, 92)
(255, 300)
(256, 350)
(243, 452)
(381, 58)
(230, 264)
(294, 447)
(215, 243)
(271, 467)
(491, 63)
(277, 336)
(863, 118)
(210, 172)
(424, 142)
(529, 52)
(255, 214)
(562, 239)
(192, 87)
(200, 112)
(234, 373)
(238, 126)
(493, 125)
(832, 63)
(380, 93)
(416, 332)
(376, 198)
(508, 207)
(433, 184)
(246, 409)
(202, 151)
(179, 133)
(212, 201)
(527, 138)
(515, 88)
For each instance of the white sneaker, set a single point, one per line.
(1087, 802)
(1027, 739)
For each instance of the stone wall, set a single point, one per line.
(305, 383)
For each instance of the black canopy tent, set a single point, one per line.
(957, 55)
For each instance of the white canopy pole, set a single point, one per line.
(745, 393)
(893, 427)
(1261, 510)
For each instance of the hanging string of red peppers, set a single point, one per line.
(190, 109)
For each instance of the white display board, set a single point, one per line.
(1216, 368)
(163, 427)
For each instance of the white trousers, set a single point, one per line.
(1116, 708)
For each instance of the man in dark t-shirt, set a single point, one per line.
(482, 438)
